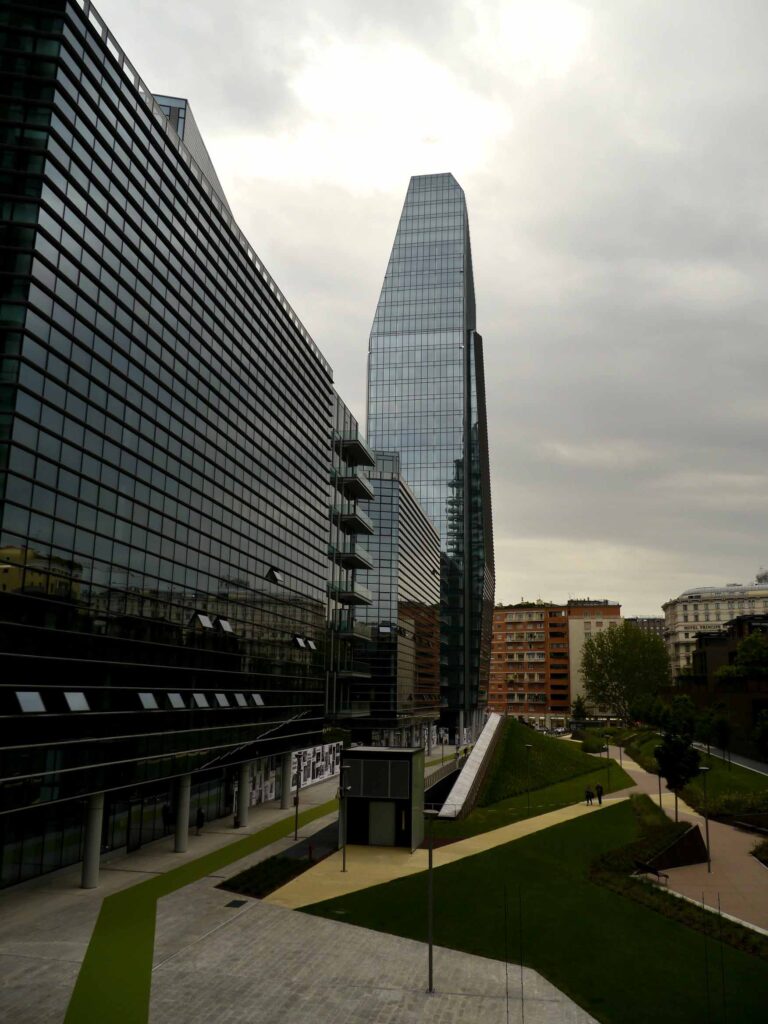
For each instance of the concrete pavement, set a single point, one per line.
(266, 965)
(47, 922)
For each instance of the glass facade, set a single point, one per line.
(404, 618)
(426, 400)
(165, 425)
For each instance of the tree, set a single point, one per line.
(622, 667)
(579, 709)
(705, 727)
(723, 731)
(678, 762)
(681, 719)
(761, 734)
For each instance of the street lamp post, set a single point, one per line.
(296, 798)
(430, 814)
(607, 762)
(704, 771)
(528, 747)
(343, 805)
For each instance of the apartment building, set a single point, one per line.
(536, 656)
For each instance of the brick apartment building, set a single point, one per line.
(536, 656)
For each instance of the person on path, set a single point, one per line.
(166, 815)
(589, 797)
(599, 791)
(199, 820)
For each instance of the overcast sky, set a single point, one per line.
(614, 156)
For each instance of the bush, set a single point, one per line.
(761, 851)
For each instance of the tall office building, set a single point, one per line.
(166, 436)
(426, 400)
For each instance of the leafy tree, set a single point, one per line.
(623, 666)
(678, 762)
(681, 718)
(752, 656)
(723, 730)
(705, 727)
(761, 734)
(579, 709)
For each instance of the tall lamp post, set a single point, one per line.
(430, 814)
(528, 747)
(343, 790)
(704, 771)
(607, 761)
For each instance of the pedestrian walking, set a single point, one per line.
(589, 797)
(599, 791)
(199, 820)
(166, 814)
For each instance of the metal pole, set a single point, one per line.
(343, 811)
(528, 776)
(296, 799)
(659, 778)
(430, 908)
(706, 821)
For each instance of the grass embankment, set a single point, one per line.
(621, 961)
(114, 981)
(559, 774)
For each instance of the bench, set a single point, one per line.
(648, 869)
(747, 826)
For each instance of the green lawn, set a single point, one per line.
(547, 798)
(730, 790)
(551, 760)
(623, 962)
(114, 981)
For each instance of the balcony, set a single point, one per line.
(348, 629)
(355, 451)
(355, 485)
(352, 556)
(352, 519)
(355, 670)
(350, 593)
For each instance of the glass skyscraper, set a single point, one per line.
(167, 429)
(426, 400)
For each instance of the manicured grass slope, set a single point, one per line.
(624, 963)
(114, 981)
(548, 798)
(551, 761)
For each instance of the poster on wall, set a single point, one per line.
(315, 764)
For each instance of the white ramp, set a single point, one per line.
(462, 787)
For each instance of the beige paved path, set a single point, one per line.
(739, 878)
(372, 865)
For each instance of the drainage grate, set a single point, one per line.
(236, 903)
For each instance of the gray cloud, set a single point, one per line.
(619, 219)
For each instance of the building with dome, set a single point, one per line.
(707, 610)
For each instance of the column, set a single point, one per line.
(94, 817)
(182, 814)
(285, 785)
(429, 738)
(243, 794)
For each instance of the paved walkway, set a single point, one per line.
(372, 865)
(739, 879)
(267, 965)
(46, 923)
